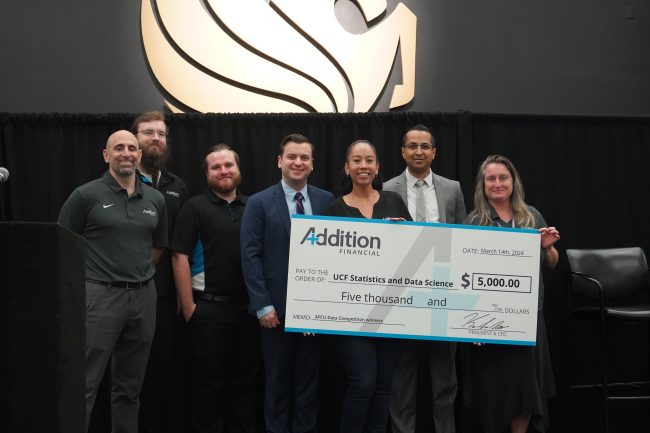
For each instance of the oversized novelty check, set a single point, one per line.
(413, 280)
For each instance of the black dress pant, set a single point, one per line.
(226, 362)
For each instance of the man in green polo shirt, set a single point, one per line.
(124, 224)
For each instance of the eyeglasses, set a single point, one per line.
(423, 147)
(151, 132)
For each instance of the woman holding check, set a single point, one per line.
(509, 385)
(369, 362)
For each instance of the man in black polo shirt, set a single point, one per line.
(124, 224)
(159, 401)
(224, 338)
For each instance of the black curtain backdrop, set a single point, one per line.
(587, 175)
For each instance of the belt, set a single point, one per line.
(128, 285)
(218, 298)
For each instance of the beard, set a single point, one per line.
(225, 185)
(154, 158)
(122, 171)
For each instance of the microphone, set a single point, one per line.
(4, 174)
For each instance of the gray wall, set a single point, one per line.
(506, 56)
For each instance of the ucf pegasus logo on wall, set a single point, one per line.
(278, 55)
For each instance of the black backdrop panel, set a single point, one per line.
(42, 306)
(587, 175)
(49, 155)
(589, 178)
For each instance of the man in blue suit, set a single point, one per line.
(291, 360)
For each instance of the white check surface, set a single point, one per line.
(413, 280)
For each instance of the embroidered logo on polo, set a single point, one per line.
(105, 206)
(149, 212)
(173, 194)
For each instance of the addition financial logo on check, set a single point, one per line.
(347, 242)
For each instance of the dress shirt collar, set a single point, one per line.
(290, 193)
(410, 179)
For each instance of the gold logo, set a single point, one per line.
(277, 56)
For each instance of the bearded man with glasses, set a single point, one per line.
(159, 405)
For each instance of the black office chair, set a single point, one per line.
(604, 280)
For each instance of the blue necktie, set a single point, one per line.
(300, 208)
